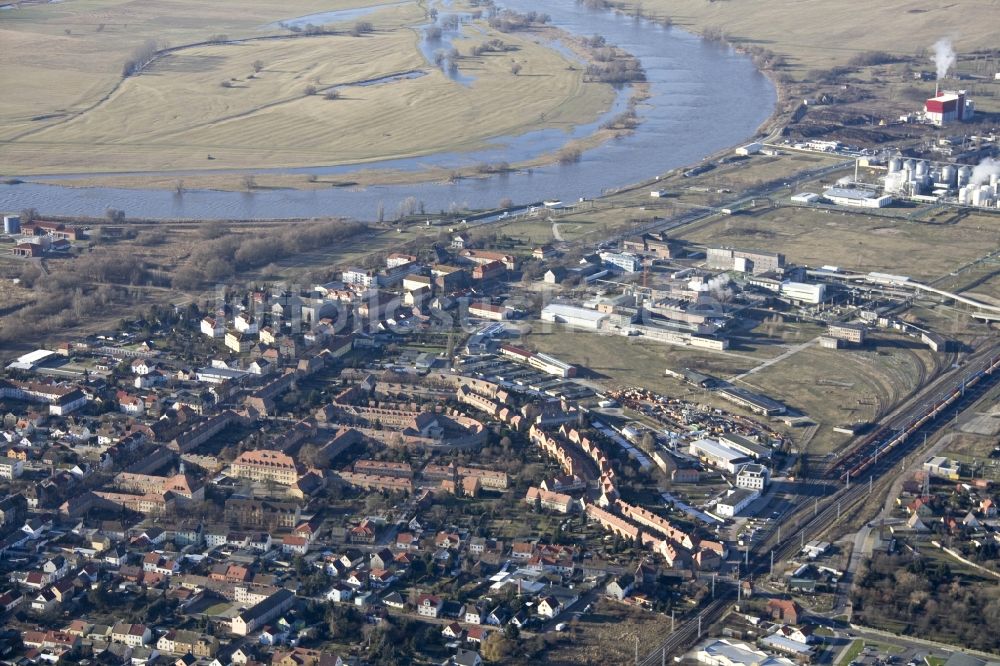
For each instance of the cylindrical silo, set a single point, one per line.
(895, 164)
(963, 195)
(910, 164)
(964, 174)
(948, 174)
(922, 168)
(11, 224)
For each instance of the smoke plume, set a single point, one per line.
(981, 172)
(944, 56)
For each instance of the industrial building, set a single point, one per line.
(746, 446)
(845, 196)
(853, 333)
(745, 261)
(727, 652)
(756, 403)
(949, 106)
(573, 315)
(718, 455)
(803, 292)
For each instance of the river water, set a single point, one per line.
(704, 97)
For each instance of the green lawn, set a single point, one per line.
(852, 652)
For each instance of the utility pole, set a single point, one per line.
(637, 650)
(779, 532)
(771, 572)
(713, 586)
(871, 480)
(802, 540)
(672, 611)
(838, 510)
(699, 625)
(663, 657)
(815, 507)
(848, 479)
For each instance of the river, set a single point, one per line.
(703, 98)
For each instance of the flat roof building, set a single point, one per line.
(718, 455)
(573, 315)
(845, 196)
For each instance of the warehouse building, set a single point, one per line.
(718, 455)
(573, 315)
(746, 446)
(756, 403)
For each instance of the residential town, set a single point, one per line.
(377, 466)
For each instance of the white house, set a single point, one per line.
(212, 327)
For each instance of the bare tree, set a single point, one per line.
(515, 68)
(332, 93)
(258, 65)
(310, 89)
(249, 182)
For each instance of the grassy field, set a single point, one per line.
(177, 112)
(608, 635)
(816, 34)
(622, 361)
(856, 241)
(841, 387)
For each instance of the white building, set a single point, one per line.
(728, 652)
(749, 149)
(551, 365)
(718, 455)
(359, 277)
(573, 315)
(803, 292)
(844, 196)
(10, 468)
(805, 198)
(753, 477)
(212, 327)
(625, 261)
(733, 503)
(244, 323)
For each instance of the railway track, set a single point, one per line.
(927, 416)
(929, 406)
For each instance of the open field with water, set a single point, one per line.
(206, 107)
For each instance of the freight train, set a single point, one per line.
(882, 442)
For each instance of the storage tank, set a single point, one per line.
(895, 164)
(11, 224)
(964, 174)
(922, 168)
(948, 174)
(963, 196)
(910, 164)
(981, 197)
